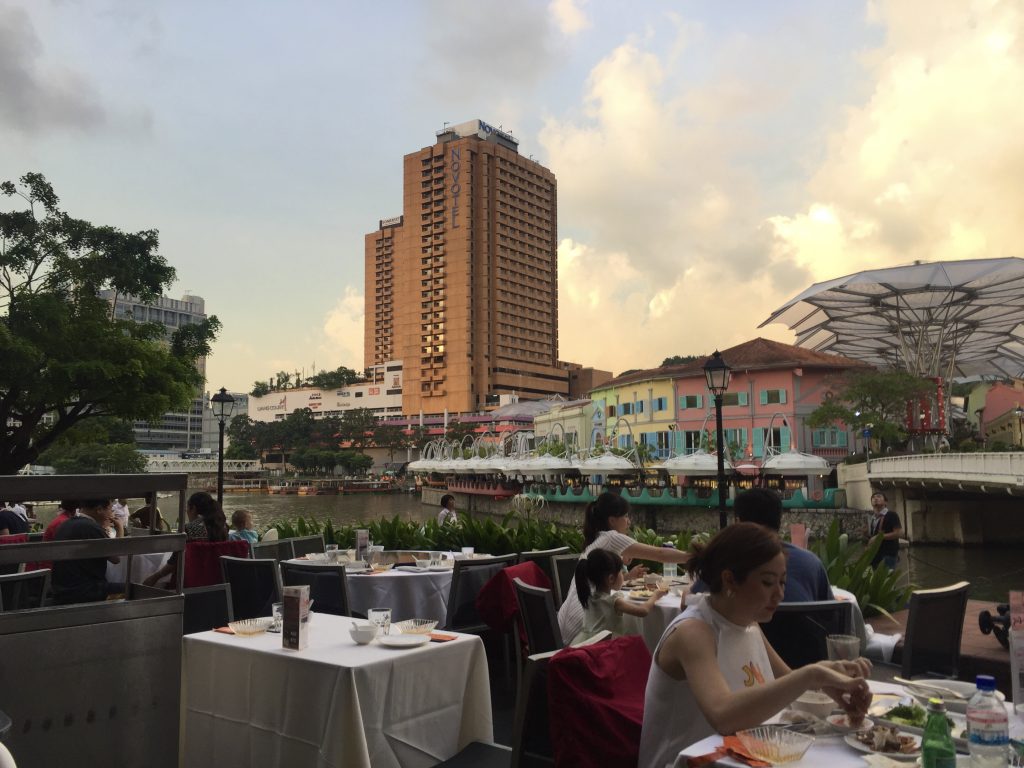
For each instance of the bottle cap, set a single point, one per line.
(985, 682)
(669, 545)
(935, 704)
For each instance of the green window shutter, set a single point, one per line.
(764, 397)
(700, 401)
(759, 442)
(843, 440)
(816, 437)
(682, 402)
(784, 439)
(782, 396)
(741, 398)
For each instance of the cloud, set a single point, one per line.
(569, 16)
(343, 333)
(36, 97)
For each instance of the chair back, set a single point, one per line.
(255, 585)
(303, 545)
(328, 585)
(496, 602)
(202, 561)
(539, 618)
(468, 578)
(275, 549)
(598, 692)
(926, 647)
(542, 557)
(565, 572)
(20, 591)
(797, 631)
(531, 731)
(206, 608)
(12, 538)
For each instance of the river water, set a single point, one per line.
(992, 572)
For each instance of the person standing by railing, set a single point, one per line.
(886, 522)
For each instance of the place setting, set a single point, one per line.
(409, 633)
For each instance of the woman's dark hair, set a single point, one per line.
(740, 548)
(595, 519)
(447, 500)
(595, 569)
(213, 516)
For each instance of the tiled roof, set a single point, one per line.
(753, 355)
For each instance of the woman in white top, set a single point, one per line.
(713, 671)
(605, 523)
(447, 513)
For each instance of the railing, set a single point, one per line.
(160, 465)
(974, 468)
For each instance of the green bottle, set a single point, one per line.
(937, 750)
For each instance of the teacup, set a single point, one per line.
(423, 563)
(363, 632)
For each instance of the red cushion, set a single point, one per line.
(496, 602)
(202, 560)
(20, 538)
(598, 693)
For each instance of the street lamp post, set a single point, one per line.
(223, 405)
(717, 374)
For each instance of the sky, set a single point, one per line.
(713, 159)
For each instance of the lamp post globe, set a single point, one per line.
(717, 375)
(223, 404)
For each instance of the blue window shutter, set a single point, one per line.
(741, 398)
(784, 439)
(764, 397)
(782, 396)
(759, 442)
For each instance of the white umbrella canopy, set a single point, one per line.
(795, 463)
(694, 464)
(951, 318)
(607, 464)
(545, 465)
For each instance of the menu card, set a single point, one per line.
(295, 632)
(362, 544)
(1017, 651)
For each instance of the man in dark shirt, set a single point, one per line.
(83, 581)
(11, 522)
(886, 522)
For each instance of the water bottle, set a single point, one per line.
(937, 750)
(669, 571)
(987, 726)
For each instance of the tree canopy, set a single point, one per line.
(679, 360)
(66, 358)
(283, 380)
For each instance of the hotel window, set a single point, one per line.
(773, 396)
(690, 401)
(735, 398)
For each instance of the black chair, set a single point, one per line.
(304, 545)
(255, 585)
(328, 586)
(565, 571)
(276, 550)
(544, 559)
(539, 618)
(21, 591)
(797, 631)
(468, 576)
(206, 608)
(935, 625)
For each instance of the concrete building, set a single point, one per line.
(463, 286)
(211, 426)
(176, 431)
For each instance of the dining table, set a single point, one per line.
(831, 750)
(248, 701)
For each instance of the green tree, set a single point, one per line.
(65, 357)
(875, 398)
(391, 437)
(679, 360)
(334, 379)
(356, 427)
(458, 430)
(260, 388)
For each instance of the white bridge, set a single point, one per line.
(985, 472)
(161, 464)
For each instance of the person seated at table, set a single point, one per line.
(84, 581)
(605, 523)
(447, 514)
(599, 580)
(140, 518)
(713, 671)
(242, 527)
(11, 522)
(65, 511)
(206, 522)
(806, 577)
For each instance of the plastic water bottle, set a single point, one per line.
(937, 750)
(669, 571)
(987, 726)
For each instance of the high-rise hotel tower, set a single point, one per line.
(463, 287)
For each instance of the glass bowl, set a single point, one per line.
(774, 745)
(255, 626)
(381, 567)
(415, 626)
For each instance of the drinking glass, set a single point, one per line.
(843, 647)
(382, 618)
(278, 615)
(332, 552)
(435, 559)
(468, 551)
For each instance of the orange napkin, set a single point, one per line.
(441, 637)
(730, 748)
(225, 630)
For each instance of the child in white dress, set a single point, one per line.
(598, 581)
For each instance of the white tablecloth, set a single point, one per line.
(142, 566)
(248, 702)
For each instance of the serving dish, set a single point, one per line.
(248, 627)
(774, 745)
(403, 641)
(415, 626)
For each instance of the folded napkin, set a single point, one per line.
(441, 637)
(225, 630)
(731, 747)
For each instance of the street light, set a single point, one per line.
(717, 374)
(223, 405)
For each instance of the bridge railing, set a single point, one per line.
(997, 468)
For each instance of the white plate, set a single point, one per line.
(853, 742)
(403, 641)
(839, 722)
(410, 569)
(952, 704)
(439, 568)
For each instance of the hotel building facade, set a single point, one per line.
(463, 286)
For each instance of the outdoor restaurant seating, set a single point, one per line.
(543, 558)
(19, 591)
(538, 617)
(206, 608)
(925, 650)
(328, 585)
(202, 561)
(797, 631)
(275, 549)
(255, 585)
(468, 578)
(565, 571)
(304, 545)
(598, 691)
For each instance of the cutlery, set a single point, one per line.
(929, 687)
